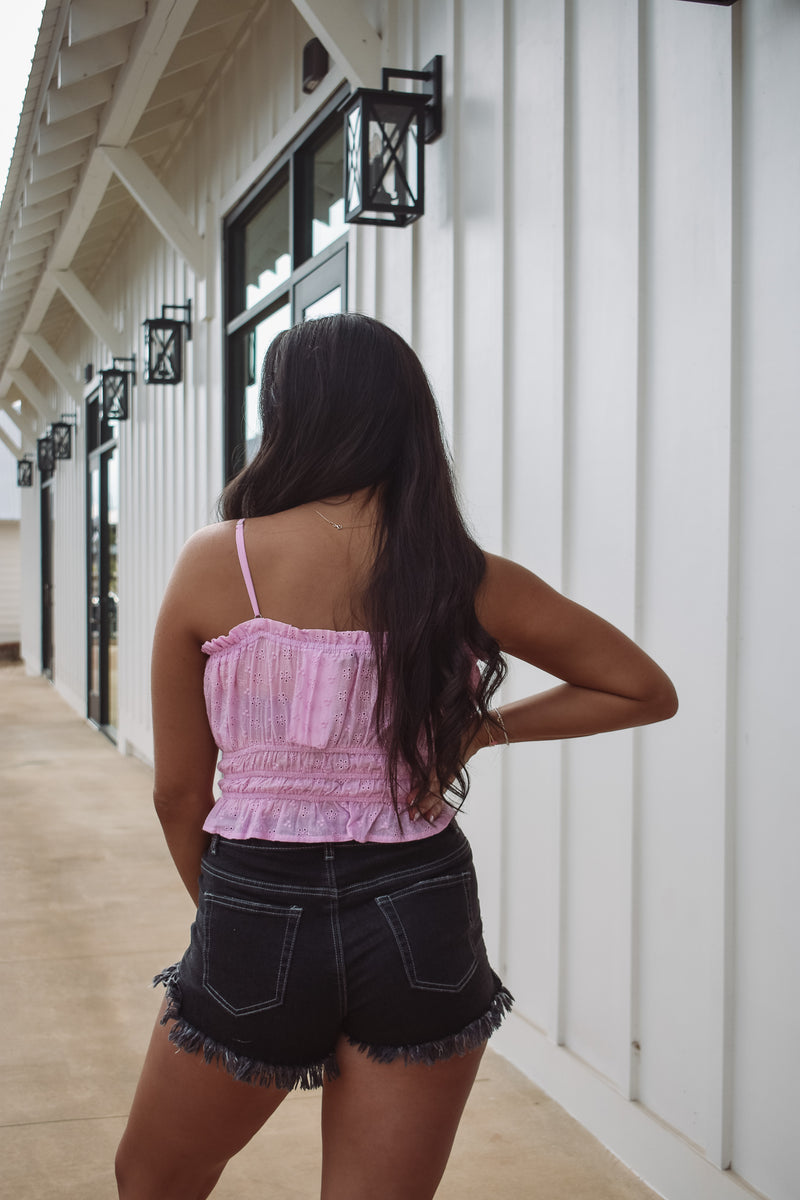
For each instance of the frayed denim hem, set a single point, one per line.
(428, 1053)
(246, 1070)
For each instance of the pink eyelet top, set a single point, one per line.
(292, 711)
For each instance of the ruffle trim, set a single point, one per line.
(246, 1070)
(246, 631)
(283, 819)
(428, 1053)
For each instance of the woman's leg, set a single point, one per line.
(188, 1118)
(388, 1128)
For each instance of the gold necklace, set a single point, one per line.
(333, 523)
(336, 525)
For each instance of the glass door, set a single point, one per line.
(102, 564)
(322, 290)
(47, 513)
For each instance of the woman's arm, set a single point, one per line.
(609, 682)
(184, 750)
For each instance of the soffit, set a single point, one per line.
(84, 49)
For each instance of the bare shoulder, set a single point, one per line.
(198, 581)
(204, 550)
(208, 540)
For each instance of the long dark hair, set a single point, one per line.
(346, 405)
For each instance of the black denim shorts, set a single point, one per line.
(297, 945)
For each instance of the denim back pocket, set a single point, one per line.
(436, 927)
(247, 952)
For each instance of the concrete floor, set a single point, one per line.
(91, 909)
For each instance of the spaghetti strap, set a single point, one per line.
(243, 563)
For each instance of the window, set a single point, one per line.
(285, 262)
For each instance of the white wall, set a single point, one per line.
(10, 571)
(603, 290)
(594, 290)
(10, 577)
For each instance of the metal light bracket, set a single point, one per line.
(431, 78)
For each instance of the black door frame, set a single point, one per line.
(46, 502)
(97, 458)
(293, 168)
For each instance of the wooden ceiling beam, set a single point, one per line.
(29, 265)
(90, 311)
(44, 189)
(151, 196)
(179, 85)
(347, 36)
(161, 117)
(31, 392)
(34, 213)
(27, 245)
(66, 102)
(54, 365)
(26, 427)
(77, 63)
(63, 133)
(151, 47)
(90, 18)
(196, 48)
(43, 166)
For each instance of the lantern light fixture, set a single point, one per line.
(115, 389)
(384, 133)
(45, 454)
(163, 337)
(25, 471)
(61, 432)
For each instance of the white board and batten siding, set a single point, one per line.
(603, 292)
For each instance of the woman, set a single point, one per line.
(339, 637)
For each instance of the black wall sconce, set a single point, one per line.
(45, 454)
(116, 386)
(25, 471)
(163, 342)
(384, 133)
(61, 432)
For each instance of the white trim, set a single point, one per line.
(26, 428)
(348, 37)
(665, 1161)
(32, 393)
(76, 702)
(156, 202)
(89, 310)
(54, 365)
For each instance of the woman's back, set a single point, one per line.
(291, 687)
(306, 572)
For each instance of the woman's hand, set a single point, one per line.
(430, 805)
(426, 806)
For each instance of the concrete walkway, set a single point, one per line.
(92, 908)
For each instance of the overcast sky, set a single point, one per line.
(17, 44)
